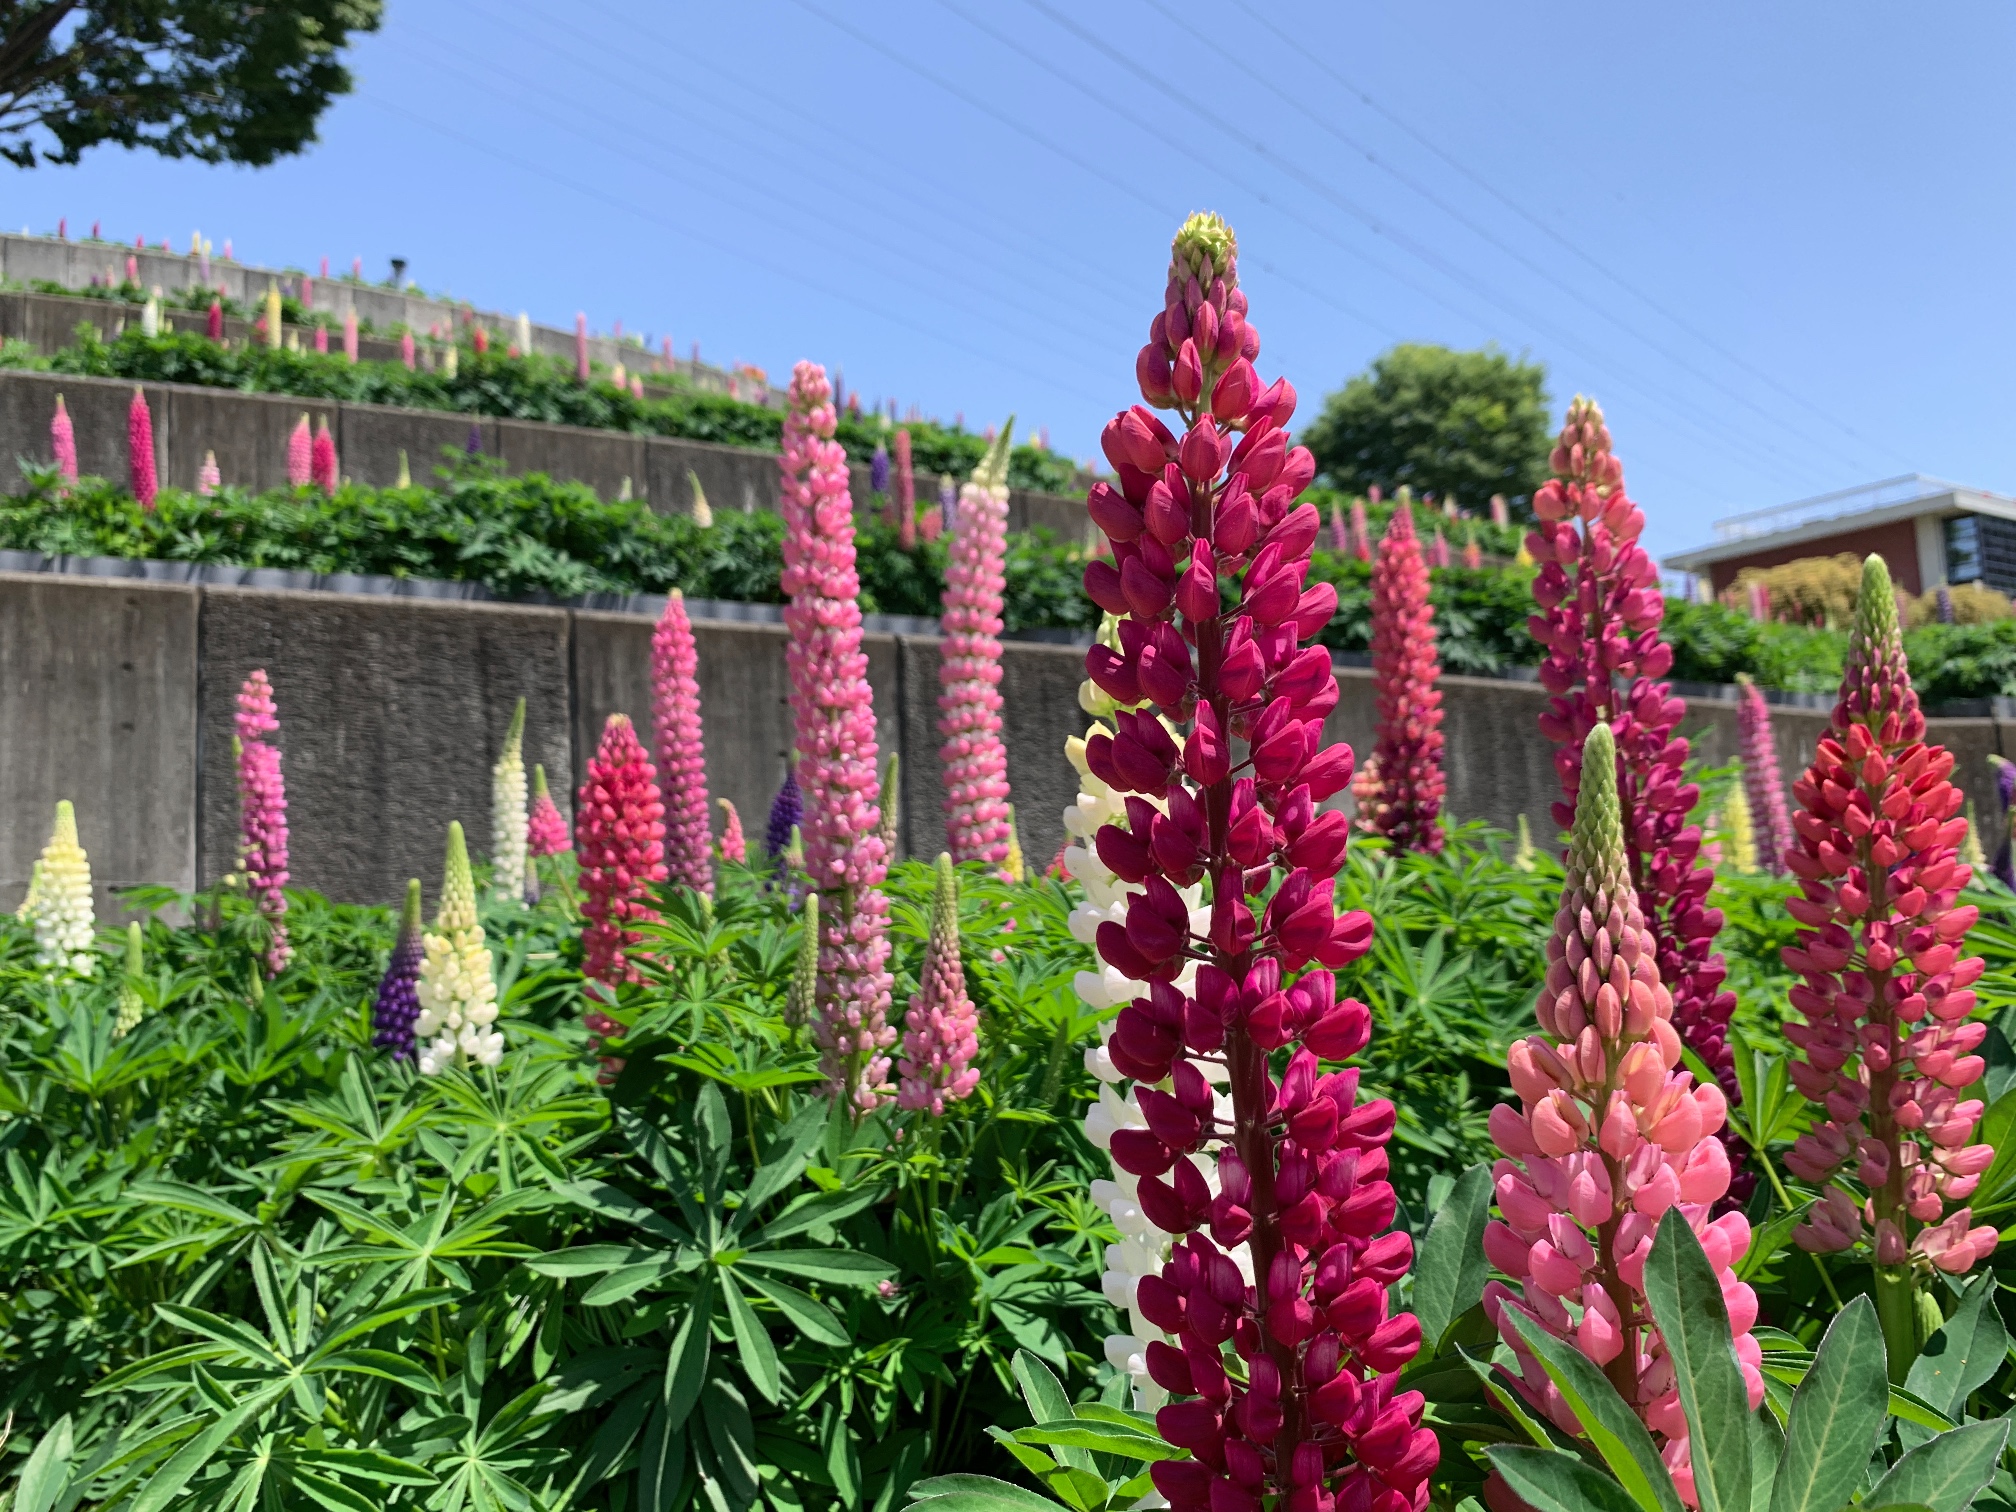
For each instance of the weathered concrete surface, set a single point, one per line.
(391, 714)
(372, 436)
(98, 409)
(735, 478)
(601, 459)
(98, 705)
(248, 432)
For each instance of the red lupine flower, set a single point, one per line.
(619, 841)
(1407, 802)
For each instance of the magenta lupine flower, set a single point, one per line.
(307, 293)
(1406, 782)
(1294, 1270)
(300, 455)
(322, 459)
(906, 493)
(350, 335)
(581, 346)
(398, 1005)
(213, 323)
(63, 442)
(969, 668)
(943, 1026)
(1760, 602)
(140, 450)
(545, 829)
(208, 477)
(1601, 609)
(1340, 539)
(1361, 532)
(1761, 783)
(322, 339)
(1438, 552)
(733, 845)
(833, 711)
(262, 814)
(407, 354)
(620, 839)
(682, 755)
(1607, 1136)
(1887, 1051)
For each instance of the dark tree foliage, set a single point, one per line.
(1467, 424)
(225, 81)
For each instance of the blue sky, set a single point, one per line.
(1773, 240)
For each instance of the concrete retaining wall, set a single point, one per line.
(119, 696)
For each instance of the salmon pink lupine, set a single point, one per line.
(322, 469)
(1888, 1050)
(682, 757)
(322, 339)
(943, 1025)
(969, 667)
(208, 477)
(1315, 1419)
(833, 711)
(140, 451)
(906, 492)
(732, 845)
(262, 813)
(1607, 1136)
(619, 837)
(1761, 783)
(300, 455)
(398, 1006)
(349, 335)
(1407, 806)
(1601, 609)
(545, 828)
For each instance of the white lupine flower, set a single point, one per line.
(457, 987)
(58, 905)
(508, 807)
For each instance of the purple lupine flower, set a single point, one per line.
(878, 469)
(474, 445)
(398, 1004)
(2004, 866)
(787, 812)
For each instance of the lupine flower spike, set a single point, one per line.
(892, 804)
(407, 353)
(1015, 868)
(833, 712)
(619, 836)
(2002, 868)
(63, 442)
(349, 335)
(1313, 1419)
(969, 666)
(906, 493)
(458, 988)
(804, 989)
(1887, 1050)
(1524, 856)
(1970, 848)
(262, 814)
(787, 811)
(545, 830)
(942, 1034)
(1600, 604)
(1361, 532)
(1761, 784)
(1607, 1136)
(300, 455)
(140, 450)
(213, 323)
(208, 478)
(59, 906)
(1407, 802)
(682, 755)
(322, 470)
(732, 846)
(581, 347)
(509, 823)
(132, 1006)
(1736, 833)
(397, 1009)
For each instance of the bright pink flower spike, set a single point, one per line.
(943, 1026)
(262, 814)
(619, 838)
(63, 442)
(322, 459)
(682, 756)
(140, 451)
(969, 670)
(1405, 780)
(300, 455)
(1761, 783)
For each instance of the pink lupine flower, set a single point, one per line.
(1607, 1136)
(140, 450)
(619, 834)
(1294, 1269)
(300, 455)
(1601, 608)
(682, 755)
(350, 335)
(407, 354)
(1340, 540)
(1407, 795)
(322, 339)
(1887, 1051)
(213, 323)
(833, 711)
(132, 268)
(322, 458)
(1760, 601)
(1499, 515)
(262, 814)
(969, 667)
(906, 493)
(1473, 554)
(1761, 783)
(63, 442)
(545, 829)
(733, 845)
(1361, 532)
(943, 1032)
(581, 346)
(208, 478)
(1438, 552)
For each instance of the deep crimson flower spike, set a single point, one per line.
(1404, 779)
(1311, 1419)
(619, 842)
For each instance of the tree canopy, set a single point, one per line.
(218, 80)
(1450, 423)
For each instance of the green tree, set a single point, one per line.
(219, 80)
(1468, 424)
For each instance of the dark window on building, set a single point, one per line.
(1981, 549)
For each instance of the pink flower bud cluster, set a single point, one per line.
(943, 1032)
(1601, 609)
(1407, 804)
(619, 837)
(682, 756)
(1762, 786)
(140, 464)
(1608, 1136)
(833, 711)
(969, 677)
(734, 846)
(1887, 1050)
(1313, 1417)
(262, 814)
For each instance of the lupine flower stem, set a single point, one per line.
(833, 713)
(969, 666)
(682, 755)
